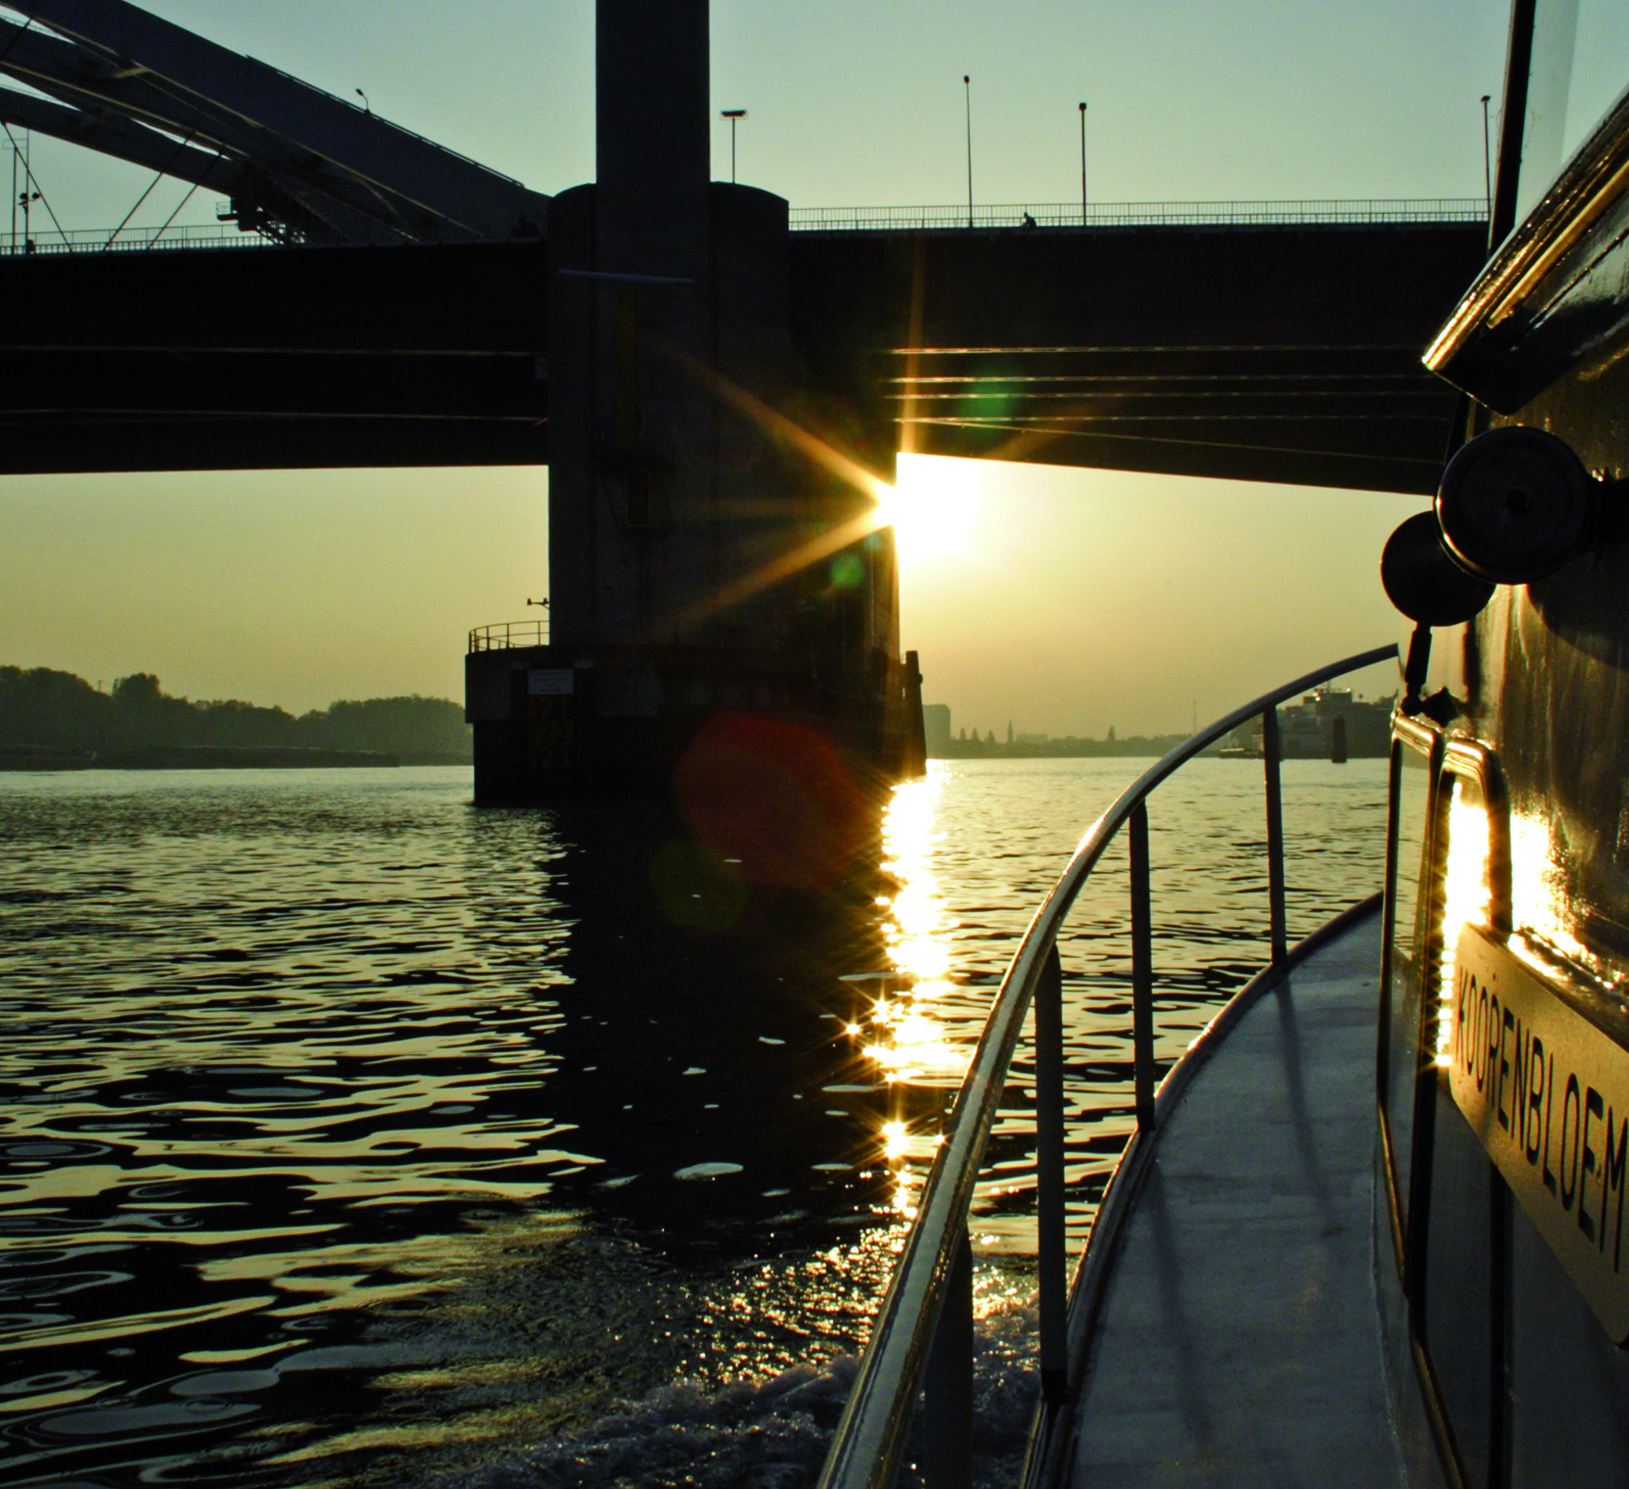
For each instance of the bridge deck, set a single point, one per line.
(1239, 1342)
(1260, 352)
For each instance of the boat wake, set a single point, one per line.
(770, 1434)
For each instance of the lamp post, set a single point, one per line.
(1487, 158)
(1083, 164)
(732, 115)
(967, 97)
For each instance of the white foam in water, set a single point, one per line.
(772, 1434)
(707, 1170)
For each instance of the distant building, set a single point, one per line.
(1329, 723)
(1033, 739)
(936, 727)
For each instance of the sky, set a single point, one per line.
(1065, 601)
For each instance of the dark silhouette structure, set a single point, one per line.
(717, 396)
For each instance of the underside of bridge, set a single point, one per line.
(1268, 353)
(246, 359)
(1283, 353)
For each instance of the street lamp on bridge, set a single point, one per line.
(967, 97)
(732, 115)
(1083, 164)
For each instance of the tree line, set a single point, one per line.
(46, 710)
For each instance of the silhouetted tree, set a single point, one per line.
(42, 709)
(406, 726)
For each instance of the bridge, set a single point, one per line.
(1259, 341)
(718, 383)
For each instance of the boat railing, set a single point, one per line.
(922, 1340)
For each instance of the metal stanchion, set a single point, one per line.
(947, 1408)
(1142, 969)
(1275, 837)
(1051, 1245)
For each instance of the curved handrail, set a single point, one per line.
(870, 1436)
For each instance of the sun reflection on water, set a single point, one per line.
(900, 1036)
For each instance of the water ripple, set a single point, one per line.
(348, 1134)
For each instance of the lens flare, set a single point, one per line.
(932, 506)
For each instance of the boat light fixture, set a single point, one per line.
(1423, 581)
(1516, 504)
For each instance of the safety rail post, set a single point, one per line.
(947, 1415)
(1051, 1250)
(1142, 969)
(1275, 836)
(921, 1339)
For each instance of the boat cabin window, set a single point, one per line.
(1447, 832)
(1578, 73)
(1406, 870)
(1412, 787)
(1465, 857)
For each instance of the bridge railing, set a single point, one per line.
(1140, 214)
(878, 219)
(127, 240)
(509, 634)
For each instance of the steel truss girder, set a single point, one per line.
(308, 161)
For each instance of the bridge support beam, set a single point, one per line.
(712, 540)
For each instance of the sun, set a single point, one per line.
(932, 507)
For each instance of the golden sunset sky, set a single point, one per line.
(1064, 600)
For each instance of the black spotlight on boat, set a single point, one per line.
(1423, 582)
(1515, 504)
(1429, 588)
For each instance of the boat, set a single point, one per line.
(1326, 724)
(1369, 1229)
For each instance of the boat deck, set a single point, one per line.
(1238, 1342)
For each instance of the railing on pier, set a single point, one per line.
(1141, 214)
(509, 634)
(923, 1336)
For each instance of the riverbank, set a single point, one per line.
(54, 721)
(215, 757)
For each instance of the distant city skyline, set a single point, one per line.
(1072, 599)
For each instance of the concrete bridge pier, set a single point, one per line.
(712, 553)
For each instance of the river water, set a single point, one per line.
(349, 1135)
